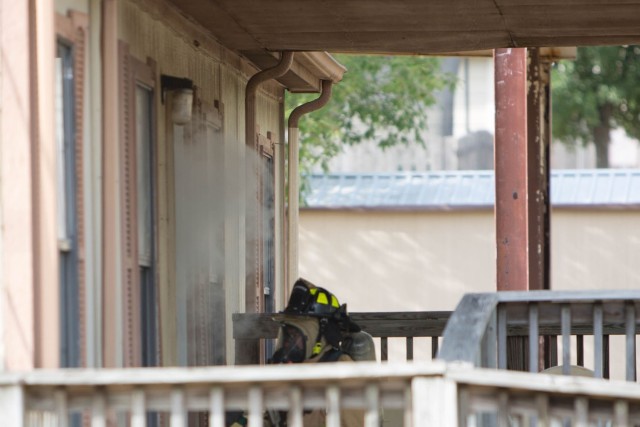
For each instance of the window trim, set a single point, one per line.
(134, 73)
(72, 31)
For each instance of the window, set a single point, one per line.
(70, 353)
(137, 192)
(266, 274)
(145, 222)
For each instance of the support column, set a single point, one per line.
(111, 232)
(29, 328)
(46, 274)
(17, 252)
(522, 182)
(521, 165)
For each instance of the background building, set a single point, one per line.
(461, 130)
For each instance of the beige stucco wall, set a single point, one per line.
(407, 261)
(596, 249)
(391, 261)
(398, 261)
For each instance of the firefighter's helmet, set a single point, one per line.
(310, 300)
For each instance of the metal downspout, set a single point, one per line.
(252, 87)
(252, 297)
(294, 185)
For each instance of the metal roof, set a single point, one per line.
(466, 189)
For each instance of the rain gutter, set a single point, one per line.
(293, 176)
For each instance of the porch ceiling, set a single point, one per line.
(413, 26)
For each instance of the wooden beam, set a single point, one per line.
(522, 174)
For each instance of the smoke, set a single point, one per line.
(224, 235)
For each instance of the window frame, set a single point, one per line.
(71, 34)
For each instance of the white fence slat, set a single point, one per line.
(333, 406)
(582, 412)
(294, 417)
(503, 409)
(542, 410)
(408, 406)
(62, 409)
(372, 415)
(502, 336)
(621, 414)
(565, 325)
(216, 407)
(435, 402)
(138, 408)
(630, 333)
(597, 340)
(464, 407)
(99, 409)
(12, 405)
(178, 408)
(533, 337)
(256, 407)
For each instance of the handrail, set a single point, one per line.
(249, 326)
(478, 330)
(365, 387)
(428, 394)
(467, 326)
(383, 325)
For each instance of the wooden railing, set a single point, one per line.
(429, 394)
(250, 329)
(520, 330)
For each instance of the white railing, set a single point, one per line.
(100, 394)
(427, 394)
(520, 330)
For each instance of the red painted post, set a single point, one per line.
(521, 166)
(510, 168)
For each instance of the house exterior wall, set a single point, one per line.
(200, 180)
(16, 265)
(200, 183)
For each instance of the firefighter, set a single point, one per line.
(313, 326)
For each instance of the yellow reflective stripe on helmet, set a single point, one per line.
(317, 348)
(313, 291)
(334, 301)
(322, 298)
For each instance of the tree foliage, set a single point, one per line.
(596, 93)
(380, 98)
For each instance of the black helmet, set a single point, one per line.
(309, 300)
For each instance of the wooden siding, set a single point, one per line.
(198, 179)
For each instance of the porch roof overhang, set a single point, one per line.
(255, 27)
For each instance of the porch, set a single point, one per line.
(473, 379)
(428, 394)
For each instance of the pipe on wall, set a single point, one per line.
(252, 87)
(293, 175)
(252, 287)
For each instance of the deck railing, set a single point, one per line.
(249, 329)
(428, 393)
(520, 330)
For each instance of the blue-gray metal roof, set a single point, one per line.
(467, 189)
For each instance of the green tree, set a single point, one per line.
(381, 98)
(595, 94)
